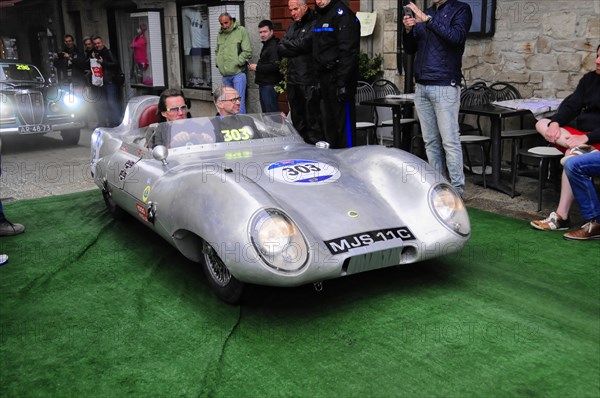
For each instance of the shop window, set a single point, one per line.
(195, 33)
(198, 28)
(146, 62)
(8, 48)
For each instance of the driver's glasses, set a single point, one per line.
(234, 100)
(177, 109)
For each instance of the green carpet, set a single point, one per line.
(94, 307)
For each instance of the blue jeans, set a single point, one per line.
(437, 108)
(268, 99)
(239, 83)
(579, 170)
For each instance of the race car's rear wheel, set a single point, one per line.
(112, 207)
(225, 286)
(70, 137)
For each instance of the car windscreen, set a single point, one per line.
(207, 130)
(17, 73)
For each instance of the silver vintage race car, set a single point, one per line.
(252, 203)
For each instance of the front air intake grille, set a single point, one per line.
(30, 106)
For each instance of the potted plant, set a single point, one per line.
(369, 68)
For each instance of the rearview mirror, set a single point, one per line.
(160, 152)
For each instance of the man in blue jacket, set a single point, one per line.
(438, 37)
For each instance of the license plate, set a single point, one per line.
(35, 128)
(376, 260)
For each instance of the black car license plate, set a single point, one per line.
(35, 128)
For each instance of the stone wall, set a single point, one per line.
(542, 47)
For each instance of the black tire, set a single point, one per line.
(70, 137)
(225, 286)
(112, 207)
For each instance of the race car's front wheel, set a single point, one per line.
(225, 286)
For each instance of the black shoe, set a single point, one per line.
(9, 229)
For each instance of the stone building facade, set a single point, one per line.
(541, 47)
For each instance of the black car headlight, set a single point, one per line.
(278, 240)
(449, 208)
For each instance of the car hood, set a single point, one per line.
(331, 191)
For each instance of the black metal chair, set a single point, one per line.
(548, 156)
(477, 94)
(366, 117)
(503, 92)
(382, 89)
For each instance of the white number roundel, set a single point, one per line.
(302, 172)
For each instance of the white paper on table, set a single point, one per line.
(537, 106)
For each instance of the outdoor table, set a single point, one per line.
(496, 114)
(402, 135)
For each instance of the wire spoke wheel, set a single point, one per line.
(218, 271)
(225, 285)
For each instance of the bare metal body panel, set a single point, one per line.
(366, 207)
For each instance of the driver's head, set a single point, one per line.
(227, 101)
(171, 105)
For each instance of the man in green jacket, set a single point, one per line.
(233, 54)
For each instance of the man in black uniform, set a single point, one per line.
(302, 95)
(336, 44)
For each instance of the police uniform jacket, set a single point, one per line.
(440, 44)
(267, 68)
(336, 42)
(296, 45)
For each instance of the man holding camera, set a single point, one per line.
(438, 37)
(69, 63)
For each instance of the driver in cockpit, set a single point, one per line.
(171, 107)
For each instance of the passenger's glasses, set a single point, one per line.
(181, 108)
(234, 100)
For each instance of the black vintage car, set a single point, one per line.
(30, 104)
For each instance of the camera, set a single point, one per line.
(60, 55)
(408, 12)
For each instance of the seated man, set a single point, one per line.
(584, 107)
(580, 170)
(171, 106)
(228, 125)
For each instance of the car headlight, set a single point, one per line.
(6, 109)
(278, 240)
(450, 209)
(71, 101)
